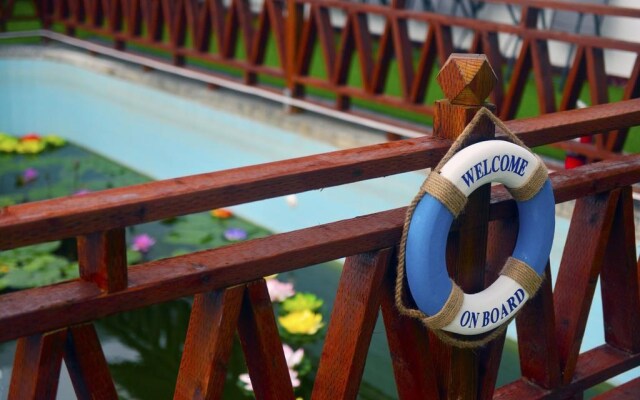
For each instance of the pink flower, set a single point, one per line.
(82, 192)
(278, 290)
(143, 243)
(29, 175)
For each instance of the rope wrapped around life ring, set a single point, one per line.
(442, 305)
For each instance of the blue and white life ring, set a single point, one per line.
(426, 270)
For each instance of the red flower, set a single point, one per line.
(30, 136)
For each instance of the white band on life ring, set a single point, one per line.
(427, 276)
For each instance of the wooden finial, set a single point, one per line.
(467, 79)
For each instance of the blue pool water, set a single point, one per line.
(166, 136)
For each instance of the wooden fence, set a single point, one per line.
(55, 322)
(235, 37)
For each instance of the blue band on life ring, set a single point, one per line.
(425, 250)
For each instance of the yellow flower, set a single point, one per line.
(4, 269)
(30, 146)
(302, 322)
(8, 145)
(221, 213)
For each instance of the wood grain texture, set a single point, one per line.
(212, 326)
(537, 346)
(117, 208)
(42, 309)
(87, 365)
(627, 391)
(352, 321)
(593, 367)
(262, 346)
(580, 266)
(466, 247)
(36, 367)
(413, 365)
(619, 280)
(102, 257)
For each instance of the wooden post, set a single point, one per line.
(466, 80)
(292, 39)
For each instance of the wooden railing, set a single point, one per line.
(55, 322)
(235, 37)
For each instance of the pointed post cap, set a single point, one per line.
(467, 79)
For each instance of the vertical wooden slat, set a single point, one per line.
(581, 263)
(102, 257)
(491, 46)
(203, 369)
(501, 238)
(619, 280)
(413, 365)
(538, 349)
(598, 87)
(352, 320)
(340, 71)
(466, 249)
(277, 23)
(36, 368)
(524, 63)
(383, 59)
(575, 79)
(616, 140)
(87, 365)
(261, 345)
(543, 75)
(326, 37)
(365, 51)
(404, 54)
(300, 37)
(426, 62)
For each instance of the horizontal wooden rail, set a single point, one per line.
(118, 208)
(594, 366)
(52, 307)
(573, 6)
(477, 25)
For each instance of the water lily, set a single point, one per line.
(32, 136)
(8, 143)
(143, 243)
(54, 140)
(235, 234)
(292, 200)
(302, 322)
(293, 358)
(221, 213)
(246, 379)
(29, 175)
(278, 290)
(302, 302)
(30, 146)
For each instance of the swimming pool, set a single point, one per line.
(166, 136)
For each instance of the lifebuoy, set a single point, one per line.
(426, 271)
